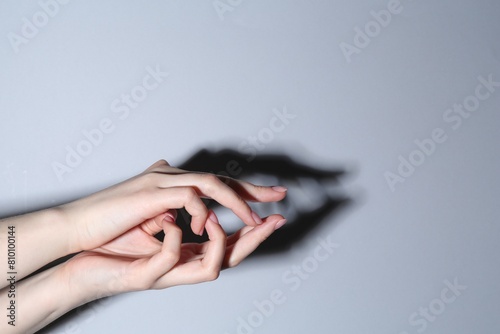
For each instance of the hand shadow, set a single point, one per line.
(302, 220)
(286, 172)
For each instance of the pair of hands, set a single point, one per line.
(115, 228)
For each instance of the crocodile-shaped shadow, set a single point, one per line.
(281, 167)
(287, 171)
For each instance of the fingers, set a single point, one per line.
(171, 248)
(255, 193)
(244, 242)
(205, 266)
(228, 192)
(217, 253)
(214, 255)
(209, 185)
(233, 238)
(164, 199)
(155, 225)
(163, 261)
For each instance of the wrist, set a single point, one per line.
(55, 220)
(39, 238)
(62, 221)
(87, 280)
(76, 284)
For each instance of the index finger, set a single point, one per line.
(210, 186)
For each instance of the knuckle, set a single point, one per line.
(210, 178)
(210, 181)
(212, 274)
(172, 256)
(231, 263)
(189, 194)
(219, 234)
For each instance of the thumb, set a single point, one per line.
(155, 225)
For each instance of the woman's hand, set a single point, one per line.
(148, 197)
(138, 261)
(113, 232)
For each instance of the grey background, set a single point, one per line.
(227, 73)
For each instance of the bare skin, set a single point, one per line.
(113, 233)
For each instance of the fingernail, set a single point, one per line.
(169, 218)
(200, 232)
(279, 224)
(213, 218)
(256, 218)
(279, 189)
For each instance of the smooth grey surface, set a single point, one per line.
(397, 248)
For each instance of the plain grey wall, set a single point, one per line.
(374, 87)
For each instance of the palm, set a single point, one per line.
(117, 265)
(135, 243)
(139, 243)
(113, 261)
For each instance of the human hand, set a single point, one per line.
(113, 232)
(138, 261)
(147, 198)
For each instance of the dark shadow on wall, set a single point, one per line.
(281, 168)
(287, 172)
